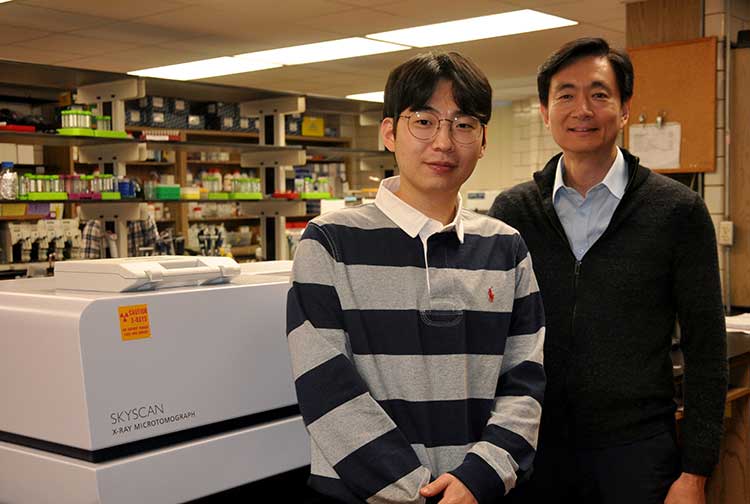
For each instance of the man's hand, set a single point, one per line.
(454, 492)
(687, 489)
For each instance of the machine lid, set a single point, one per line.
(143, 273)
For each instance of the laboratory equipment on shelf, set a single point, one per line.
(117, 393)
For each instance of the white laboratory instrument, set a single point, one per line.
(480, 201)
(16, 241)
(159, 396)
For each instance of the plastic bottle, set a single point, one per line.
(227, 183)
(8, 181)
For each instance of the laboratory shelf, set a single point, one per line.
(150, 163)
(59, 140)
(11, 218)
(194, 132)
(223, 219)
(231, 147)
(322, 140)
(346, 152)
(212, 163)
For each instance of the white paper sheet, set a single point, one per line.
(657, 147)
(739, 323)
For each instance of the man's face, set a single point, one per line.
(439, 165)
(584, 112)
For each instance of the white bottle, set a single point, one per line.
(228, 177)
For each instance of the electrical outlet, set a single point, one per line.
(726, 233)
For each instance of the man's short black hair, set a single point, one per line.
(411, 85)
(582, 48)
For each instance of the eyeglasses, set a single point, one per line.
(424, 125)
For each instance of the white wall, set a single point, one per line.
(494, 170)
(518, 144)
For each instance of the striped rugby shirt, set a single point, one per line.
(398, 383)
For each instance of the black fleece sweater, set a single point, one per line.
(610, 316)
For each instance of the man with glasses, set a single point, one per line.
(415, 326)
(620, 253)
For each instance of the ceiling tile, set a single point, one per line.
(226, 18)
(590, 11)
(15, 53)
(537, 4)
(421, 12)
(366, 3)
(244, 42)
(137, 33)
(10, 34)
(75, 44)
(17, 14)
(133, 59)
(354, 22)
(113, 10)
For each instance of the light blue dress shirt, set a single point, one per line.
(586, 219)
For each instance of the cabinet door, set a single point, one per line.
(740, 178)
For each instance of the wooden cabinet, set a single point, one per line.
(739, 179)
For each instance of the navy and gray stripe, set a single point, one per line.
(398, 384)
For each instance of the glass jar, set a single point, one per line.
(54, 183)
(66, 118)
(103, 123)
(85, 118)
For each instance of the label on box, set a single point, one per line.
(244, 122)
(293, 127)
(194, 120)
(158, 117)
(228, 122)
(134, 322)
(313, 126)
(135, 115)
(157, 102)
(179, 105)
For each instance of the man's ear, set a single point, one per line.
(544, 112)
(484, 143)
(625, 114)
(388, 134)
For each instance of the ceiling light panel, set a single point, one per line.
(463, 30)
(203, 69)
(323, 51)
(375, 96)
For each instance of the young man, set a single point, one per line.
(416, 327)
(620, 253)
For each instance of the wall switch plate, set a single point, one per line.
(726, 233)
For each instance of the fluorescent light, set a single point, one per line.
(375, 96)
(202, 69)
(4, 1)
(496, 25)
(323, 51)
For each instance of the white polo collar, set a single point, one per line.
(408, 218)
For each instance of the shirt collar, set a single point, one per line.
(408, 218)
(615, 181)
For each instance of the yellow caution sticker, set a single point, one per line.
(134, 323)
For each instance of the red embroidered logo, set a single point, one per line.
(491, 295)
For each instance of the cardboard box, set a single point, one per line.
(25, 154)
(8, 152)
